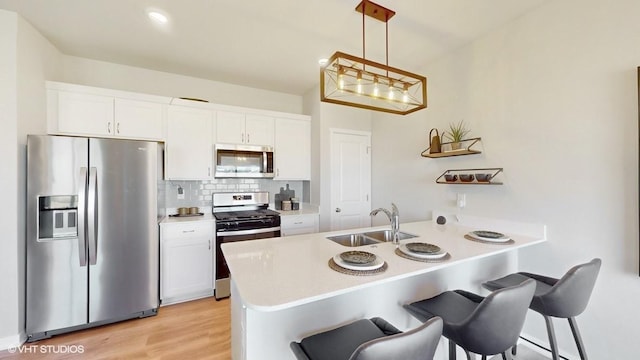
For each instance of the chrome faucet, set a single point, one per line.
(394, 217)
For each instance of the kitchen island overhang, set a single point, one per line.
(283, 288)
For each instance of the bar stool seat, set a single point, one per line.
(566, 297)
(481, 325)
(371, 339)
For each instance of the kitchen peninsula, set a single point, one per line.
(283, 288)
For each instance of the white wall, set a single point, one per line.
(27, 60)
(326, 116)
(554, 98)
(311, 106)
(9, 298)
(37, 61)
(121, 77)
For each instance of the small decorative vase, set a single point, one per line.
(455, 146)
(434, 142)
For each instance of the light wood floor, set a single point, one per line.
(198, 329)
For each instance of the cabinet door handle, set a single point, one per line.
(242, 137)
(209, 171)
(118, 128)
(209, 244)
(278, 172)
(188, 231)
(248, 141)
(338, 209)
(297, 223)
(109, 127)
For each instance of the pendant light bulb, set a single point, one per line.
(359, 79)
(376, 91)
(390, 95)
(405, 93)
(341, 78)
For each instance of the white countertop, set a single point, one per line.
(305, 209)
(279, 273)
(179, 219)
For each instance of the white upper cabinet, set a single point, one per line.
(189, 145)
(88, 111)
(259, 130)
(230, 127)
(138, 119)
(241, 128)
(292, 149)
(84, 114)
(189, 129)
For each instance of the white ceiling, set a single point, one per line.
(268, 44)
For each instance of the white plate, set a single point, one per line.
(376, 264)
(503, 238)
(438, 255)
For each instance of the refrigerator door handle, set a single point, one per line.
(92, 215)
(82, 208)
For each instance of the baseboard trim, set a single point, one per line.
(542, 347)
(12, 341)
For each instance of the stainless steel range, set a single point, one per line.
(240, 217)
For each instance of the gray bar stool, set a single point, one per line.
(371, 339)
(481, 325)
(565, 298)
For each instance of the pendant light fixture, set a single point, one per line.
(353, 81)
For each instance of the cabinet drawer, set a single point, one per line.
(299, 224)
(293, 221)
(189, 229)
(298, 231)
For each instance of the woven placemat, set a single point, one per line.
(407, 256)
(340, 269)
(509, 242)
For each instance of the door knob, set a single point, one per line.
(338, 209)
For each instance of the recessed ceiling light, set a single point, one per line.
(158, 17)
(323, 61)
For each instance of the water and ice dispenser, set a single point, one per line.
(57, 217)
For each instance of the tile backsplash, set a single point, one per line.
(198, 193)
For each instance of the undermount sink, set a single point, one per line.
(368, 238)
(353, 240)
(386, 235)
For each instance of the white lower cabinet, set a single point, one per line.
(299, 224)
(186, 261)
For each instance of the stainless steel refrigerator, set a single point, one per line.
(92, 232)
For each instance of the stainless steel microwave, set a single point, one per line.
(243, 161)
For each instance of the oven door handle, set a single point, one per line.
(247, 232)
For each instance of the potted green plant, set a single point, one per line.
(456, 134)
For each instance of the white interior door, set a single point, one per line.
(350, 179)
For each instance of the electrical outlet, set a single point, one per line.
(461, 201)
(180, 193)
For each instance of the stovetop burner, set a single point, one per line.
(245, 215)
